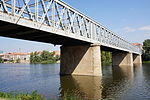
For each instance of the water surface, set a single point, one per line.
(121, 83)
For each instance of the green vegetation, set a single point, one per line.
(106, 57)
(36, 96)
(10, 96)
(68, 96)
(1, 60)
(146, 47)
(146, 61)
(44, 57)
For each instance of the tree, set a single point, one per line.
(57, 57)
(32, 57)
(45, 57)
(18, 60)
(1, 60)
(106, 57)
(103, 57)
(35, 57)
(146, 46)
(48, 57)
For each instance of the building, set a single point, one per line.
(16, 57)
(139, 45)
(1, 55)
(56, 53)
(20, 57)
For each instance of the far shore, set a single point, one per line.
(146, 61)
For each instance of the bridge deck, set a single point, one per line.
(25, 33)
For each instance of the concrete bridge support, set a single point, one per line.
(81, 60)
(122, 59)
(137, 59)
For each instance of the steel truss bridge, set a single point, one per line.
(53, 21)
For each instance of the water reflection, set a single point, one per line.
(138, 70)
(85, 86)
(117, 85)
(43, 70)
(122, 72)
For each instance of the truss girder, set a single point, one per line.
(57, 14)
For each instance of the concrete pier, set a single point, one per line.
(122, 59)
(81, 60)
(137, 59)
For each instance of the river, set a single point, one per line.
(121, 83)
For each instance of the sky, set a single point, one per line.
(129, 19)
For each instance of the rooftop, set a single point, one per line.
(136, 44)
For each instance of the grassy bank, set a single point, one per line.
(36, 96)
(21, 96)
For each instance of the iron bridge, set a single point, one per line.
(57, 17)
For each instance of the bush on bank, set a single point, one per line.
(44, 57)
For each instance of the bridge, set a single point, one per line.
(82, 39)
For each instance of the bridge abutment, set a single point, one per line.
(137, 59)
(122, 59)
(81, 60)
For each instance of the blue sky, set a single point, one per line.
(128, 18)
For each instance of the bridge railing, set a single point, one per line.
(61, 16)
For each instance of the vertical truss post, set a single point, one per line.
(53, 14)
(91, 30)
(36, 10)
(13, 7)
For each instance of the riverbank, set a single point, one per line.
(36, 96)
(106, 63)
(21, 96)
(146, 61)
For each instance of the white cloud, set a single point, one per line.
(129, 29)
(145, 28)
(147, 34)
